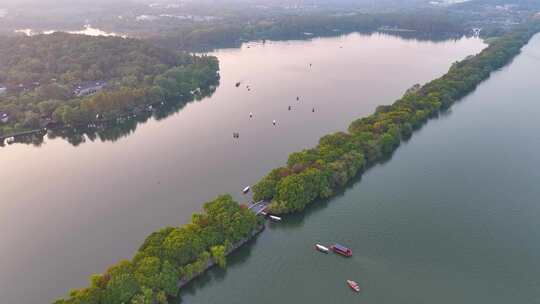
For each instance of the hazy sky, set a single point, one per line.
(65, 2)
(90, 2)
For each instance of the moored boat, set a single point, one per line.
(275, 218)
(353, 285)
(322, 248)
(340, 249)
(246, 190)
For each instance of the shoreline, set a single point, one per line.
(173, 257)
(385, 138)
(318, 172)
(234, 247)
(146, 111)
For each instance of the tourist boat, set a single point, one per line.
(322, 248)
(246, 190)
(354, 286)
(340, 249)
(275, 218)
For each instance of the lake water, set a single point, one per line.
(453, 217)
(67, 212)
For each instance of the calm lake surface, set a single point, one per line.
(453, 217)
(431, 221)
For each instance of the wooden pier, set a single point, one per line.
(258, 207)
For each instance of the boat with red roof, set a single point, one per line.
(340, 249)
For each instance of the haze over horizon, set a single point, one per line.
(143, 142)
(328, 3)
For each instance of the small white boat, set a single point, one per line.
(275, 218)
(321, 248)
(246, 190)
(250, 114)
(274, 122)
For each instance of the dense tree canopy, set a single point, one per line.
(232, 32)
(43, 73)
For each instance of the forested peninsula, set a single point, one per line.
(319, 172)
(175, 255)
(172, 256)
(69, 80)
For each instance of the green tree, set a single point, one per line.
(219, 255)
(120, 289)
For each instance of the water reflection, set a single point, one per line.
(112, 130)
(411, 36)
(217, 274)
